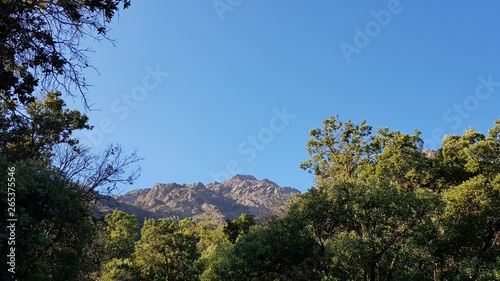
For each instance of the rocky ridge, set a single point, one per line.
(228, 199)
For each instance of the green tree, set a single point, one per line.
(383, 221)
(337, 150)
(120, 270)
(53, 228)
(235, 229)
(342, 152)
(463, 157)
(406, 214)
(167, 250)
(41, 141)
(120, 235)
(220, 264)
(281, 250)
(212, 237)
(469, 228)
(46, 124)
(400, 160)
(383, 209)
(58, 180)
(122, 231)
(467, 244)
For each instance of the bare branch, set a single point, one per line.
(99, 174)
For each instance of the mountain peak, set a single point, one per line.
(243, 177)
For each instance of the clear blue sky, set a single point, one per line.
(235, 66)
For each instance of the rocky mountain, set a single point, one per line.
(228, 199)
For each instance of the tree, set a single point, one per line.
(101, 173)
(45, 134)
(342, 152)
(221, 264)
(235, 229)
(59, 181)
(399, 159)
(281, 250)
(405, 214)
(383, 220)
(53, 228)
(46, 123)
(70, 178)
(463, 157)
(40, 45)
(167, 250)
(122, 230)
(120, 235)
(337, 150)
(382, 209)
(120, 270)
(468, 244)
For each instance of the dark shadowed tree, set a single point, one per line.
(54, 226)
(40, 45)
(235, 229)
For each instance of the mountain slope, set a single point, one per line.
(228, 199)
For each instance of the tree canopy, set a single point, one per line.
(383, 209)
(40, 45)
(57, 182)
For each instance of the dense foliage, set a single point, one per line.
(399, 212)
(50, 183)
(382, 209)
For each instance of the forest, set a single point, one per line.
(383, 207)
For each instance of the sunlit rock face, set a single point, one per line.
(218, 201)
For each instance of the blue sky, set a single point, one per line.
(209, 88)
